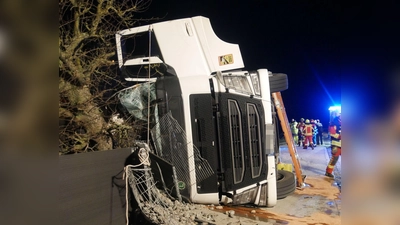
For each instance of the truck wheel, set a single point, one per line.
(278, 82)
(285, 184)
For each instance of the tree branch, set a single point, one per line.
(86, 77)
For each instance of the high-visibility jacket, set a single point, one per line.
(308, 130)
(293, 127)
(315, 130)
(336, 138)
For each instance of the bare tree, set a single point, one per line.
(88, 75)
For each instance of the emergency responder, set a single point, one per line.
(336, 144)
(308, 134)
(315, 132)
(319, 135)
(295, 130)
(300, 127)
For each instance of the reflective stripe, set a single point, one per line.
(308, 130)
(335, 136)
(336, 143)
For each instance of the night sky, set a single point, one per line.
(332, 51)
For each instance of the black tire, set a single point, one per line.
(285, 183)
(278, 82)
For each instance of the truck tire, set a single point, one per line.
(285, 184)
(278, 82)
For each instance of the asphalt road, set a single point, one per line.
(319, 201)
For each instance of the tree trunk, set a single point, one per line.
(88, 115)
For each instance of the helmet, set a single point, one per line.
(302, 119)
(307, 121)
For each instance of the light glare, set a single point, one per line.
(335, 108)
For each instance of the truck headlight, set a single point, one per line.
(238, 83)
(245, 197)
(256, 83)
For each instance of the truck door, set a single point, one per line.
(205, 138)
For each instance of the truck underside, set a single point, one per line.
(213, 125)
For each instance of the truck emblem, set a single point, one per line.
(225, 59)
(181, 185)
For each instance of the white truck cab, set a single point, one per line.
(228, 153)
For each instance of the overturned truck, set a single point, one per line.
(212, 124)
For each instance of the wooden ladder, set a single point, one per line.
(280, 108)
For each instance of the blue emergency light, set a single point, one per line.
(335, 108)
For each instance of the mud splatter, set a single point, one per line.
(319, 186)
(320, 189)
(329, 211)
(252, 213)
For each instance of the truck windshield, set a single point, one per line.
(137, 46)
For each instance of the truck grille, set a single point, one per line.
(235, 129)
(254, 139)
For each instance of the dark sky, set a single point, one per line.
(332, 51)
